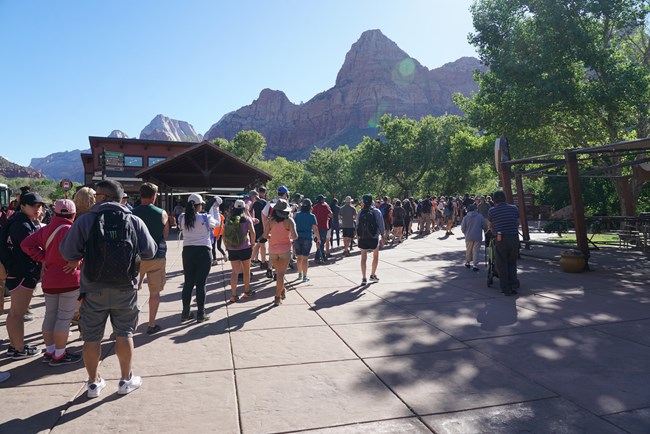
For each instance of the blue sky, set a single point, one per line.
(73, 69)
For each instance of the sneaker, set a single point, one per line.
(188, 317)
(299, 276)
(364, 281)
(128, 386)
(10, 351)
(475, 269)
(66, 359)
(94, 389)
(200, 318)
(467, 265)
(26, 353)
(47, 357)
(249, 294)
(28, 316)
(305, 279)
(277, 301)
(153, 329)
(374, 278)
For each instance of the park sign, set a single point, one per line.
(66, 185)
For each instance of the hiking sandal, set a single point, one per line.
(233, 299)
(249, 294)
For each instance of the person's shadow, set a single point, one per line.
(498, 312)
(337, 298)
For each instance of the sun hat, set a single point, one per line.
(64, 206)
(281, 208)
(197, 199)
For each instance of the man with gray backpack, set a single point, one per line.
(111, 241)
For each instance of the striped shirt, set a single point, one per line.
(505, 218)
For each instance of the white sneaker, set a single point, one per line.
(94, 389)
(128, 386)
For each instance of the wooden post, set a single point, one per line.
(521, 203)
(573, 175)
(506, 180)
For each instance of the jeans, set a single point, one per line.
(320, 253)
(507, 253)
(196, 267)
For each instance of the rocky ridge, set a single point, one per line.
(164, 128)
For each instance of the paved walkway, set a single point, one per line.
(428, 348)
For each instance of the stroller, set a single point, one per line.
(491, 252)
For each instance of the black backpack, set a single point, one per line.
(112, 253)
(6, 254)
(426, 206)
(367, 228)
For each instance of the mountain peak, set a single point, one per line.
(372, 55)
(118, 134)
(163, 128)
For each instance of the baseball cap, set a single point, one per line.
(347, 199)
(31, 198)
(64, 206)
(240, 204)
(319, 198)
(306, 202)
(253, 193)
(197, 199)
(125, 196)
(283, 190)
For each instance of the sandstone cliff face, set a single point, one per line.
(13, 170)
(164, 128)
(376, 78)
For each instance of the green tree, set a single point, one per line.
(331, 170)
(563, 74)
(248, 145)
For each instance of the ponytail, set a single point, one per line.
(190, 215)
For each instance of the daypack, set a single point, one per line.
(112, 253)
(367, 228)
(6, 255)
(232, 233)
(426, 206)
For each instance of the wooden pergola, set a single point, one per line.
(203, 167)
(600, 162)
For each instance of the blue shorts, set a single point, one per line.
(303, 246)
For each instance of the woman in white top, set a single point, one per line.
(197, 258)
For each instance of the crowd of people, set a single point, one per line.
(95, 251)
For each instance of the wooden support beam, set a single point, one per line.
(578, 205)
(521, 204)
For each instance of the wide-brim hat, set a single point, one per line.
(281, 207)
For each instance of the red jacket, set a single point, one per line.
(55, 280)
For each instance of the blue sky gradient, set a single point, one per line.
(74, 69)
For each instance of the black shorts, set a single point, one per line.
(369, 244)
(348, 232)
(259, 231)
(240, 255)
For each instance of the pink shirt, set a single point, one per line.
(280, 241)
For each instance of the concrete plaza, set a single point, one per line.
(428, 348)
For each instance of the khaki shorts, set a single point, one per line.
(274, 256)
(154, 269)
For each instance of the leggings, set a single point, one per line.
(196, 267)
